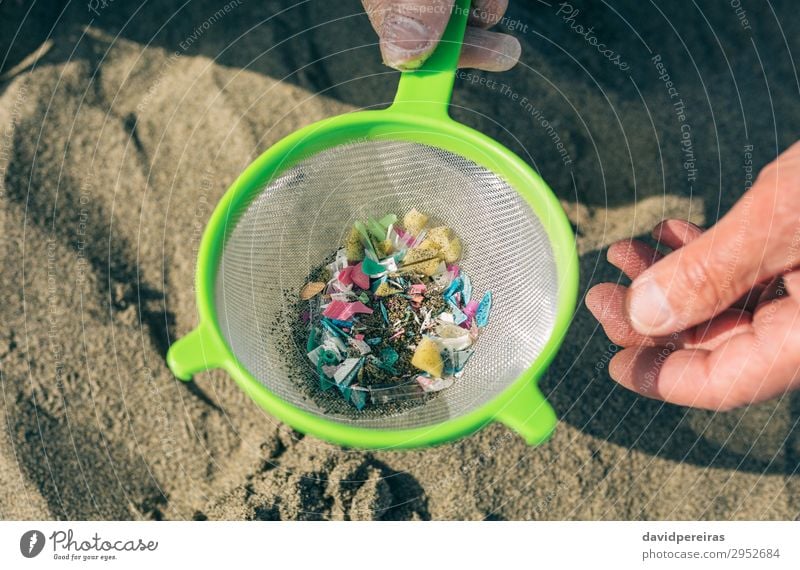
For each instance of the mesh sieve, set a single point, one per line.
(298, 219)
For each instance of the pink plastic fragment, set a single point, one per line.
(345, 275)
(335, 310)
(359, 336)
(417, 289)
(406, 238)
(359, 277)
(344, 311)
(359, 307)
(471, 308)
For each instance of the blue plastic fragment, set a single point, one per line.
(453, 288)
(458, 315)
(347, 379)
(384, 313)
(374, 341)
(466, 289)
(329, 325)
(389, 356)
(358, 396)
(342, 324)
(482, 316)
(456, 360)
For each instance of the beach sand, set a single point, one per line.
(123, 125)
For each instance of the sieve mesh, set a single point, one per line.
(302, 216)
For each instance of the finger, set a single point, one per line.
(409, 30)
(750, 244)
(747, 368)
(487, 13)
(606, 302)
(489, 51)
(791, 282)
(675, 233)
(632, 257)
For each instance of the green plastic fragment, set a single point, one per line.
(386, 221)
(325, 383)
(371, 267)
(313, 339)
(364, 298)
(377, 231)
(365, 239)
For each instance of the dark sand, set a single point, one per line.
(114, 151)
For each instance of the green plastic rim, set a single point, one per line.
(418, 114)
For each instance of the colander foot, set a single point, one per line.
(196, 352)
(528, 413)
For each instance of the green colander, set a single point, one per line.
(286, 213)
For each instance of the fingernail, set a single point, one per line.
(403, 39)
(649, 308)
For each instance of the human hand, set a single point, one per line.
(714, 324)
(409, 31)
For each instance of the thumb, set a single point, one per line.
(408, 29)
(756, 240)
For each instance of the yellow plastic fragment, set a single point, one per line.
(446, 241)
(353, 246)
(385, 248)
(384, 290)
(427, 358)
(414, 221)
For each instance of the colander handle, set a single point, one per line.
(427, 90)
(528, 413)
(198, 351)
